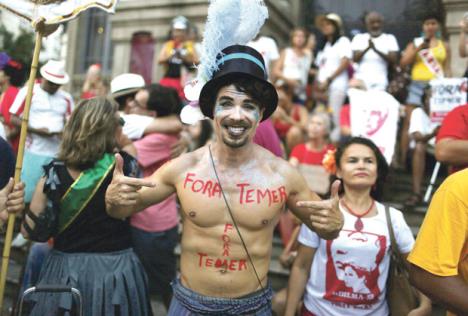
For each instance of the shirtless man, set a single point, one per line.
(217, 272)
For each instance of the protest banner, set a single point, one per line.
(374, 115)
(446, 94)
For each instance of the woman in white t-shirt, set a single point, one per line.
(348, 275)
(294, 63)
(333, 62)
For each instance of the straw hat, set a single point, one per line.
(333, 17)
(54, 71)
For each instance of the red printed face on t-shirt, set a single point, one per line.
(353, 270)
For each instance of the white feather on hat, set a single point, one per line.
(229, 22)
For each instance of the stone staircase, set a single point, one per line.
(18, 258)
(398, 189)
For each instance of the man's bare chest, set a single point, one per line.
(202, 197)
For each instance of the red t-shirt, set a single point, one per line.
(281, 127)
(455, 125)
(345, 116)
(5, 105)
(308, 157)
(6, 102)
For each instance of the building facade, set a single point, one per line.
(139, 28)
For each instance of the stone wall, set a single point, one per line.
(154, 16)
(454, 13)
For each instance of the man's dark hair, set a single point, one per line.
(163, 100)
(252, 87)
(382, 166)
(122, 100)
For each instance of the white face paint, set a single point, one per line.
(236, 117)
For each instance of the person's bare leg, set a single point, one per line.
(419, 165)
(404, 137)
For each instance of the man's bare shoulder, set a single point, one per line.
(276, 164)
(185, 161)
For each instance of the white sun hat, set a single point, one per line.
(180, 22)
(191, 113)
(54, 71)
(126, 83)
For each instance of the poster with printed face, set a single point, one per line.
(374, 115)
(446, 94)
(353, 268)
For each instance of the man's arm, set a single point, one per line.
(448, 61)
(165, 125)
(450, 291)
(15, 120)
(126, 196)
(462, 44)
(344, 63)
(44, 131)
(419, 137)
(452, 151)
(410, 52)
(323, 217)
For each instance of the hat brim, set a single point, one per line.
(321, 18)
(125, 92)
(210, 90)
(54, 79)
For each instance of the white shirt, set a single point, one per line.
(47, 111)
(2, 131)
(296, 67)
(329, 59)
(373, 69)
(135, 125)
(267, 47)
(421, 122)
(349, 274)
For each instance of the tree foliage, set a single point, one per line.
(19, 47)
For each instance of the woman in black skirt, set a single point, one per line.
(91, 251)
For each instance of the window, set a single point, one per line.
(94, 44)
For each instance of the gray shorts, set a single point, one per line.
(415, 92)
(186, 302)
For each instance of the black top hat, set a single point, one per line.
(238, 61)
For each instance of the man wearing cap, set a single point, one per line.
(231, 195)
(50, 107)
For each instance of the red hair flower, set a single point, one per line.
(329, 162)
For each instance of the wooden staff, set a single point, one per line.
(19, 164)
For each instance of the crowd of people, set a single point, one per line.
(111, 184)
